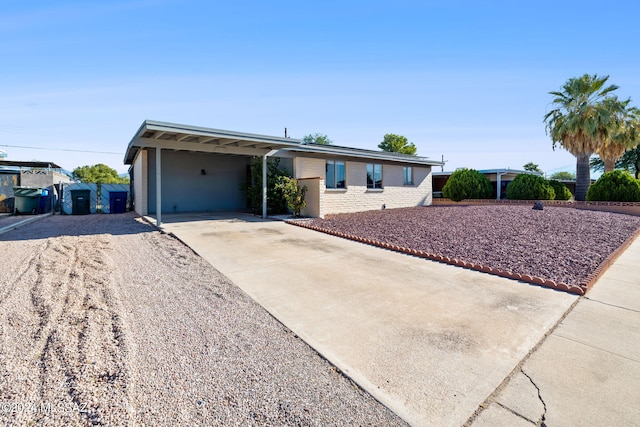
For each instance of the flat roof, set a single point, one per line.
(173, 136)
(487, 171)
(30, 164)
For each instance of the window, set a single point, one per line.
(374, 175)
(335, 174)
(408, 175)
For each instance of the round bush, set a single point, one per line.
(467, 184)
(615, 186)
(530, 187)
(561, 190)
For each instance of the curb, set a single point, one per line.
(539, 281)
(23, 222)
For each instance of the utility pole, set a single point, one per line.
(443, 162)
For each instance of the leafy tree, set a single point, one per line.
(563, 176)
(581, 122)
(393, 143)
(630, 161)
(317, 138)
(467, 184)
(532, 167)
(99, 174)
(293, 193)
(530, 187)
(561, 191)
(615, 186)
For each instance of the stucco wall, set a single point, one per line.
(312, 197)
(140, 183)
(357, 197)
(305, 167)
(186, 189)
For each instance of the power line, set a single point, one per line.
(61, 149)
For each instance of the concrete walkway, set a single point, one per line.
(430, 341)
(587, 372)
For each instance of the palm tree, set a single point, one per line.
(581, 122)
(626, 137)
(629, 161)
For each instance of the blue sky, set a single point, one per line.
(465, 79)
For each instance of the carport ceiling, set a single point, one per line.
(176, 137)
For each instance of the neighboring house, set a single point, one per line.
(202, 169)
(499, 179)
(29, 174)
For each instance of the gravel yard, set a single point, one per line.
(105, 321)
(7, 220)
(560, 244)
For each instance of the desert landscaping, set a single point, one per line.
(560, 244)
(106, 321)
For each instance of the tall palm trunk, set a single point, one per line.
(609, 165)
(583, 177)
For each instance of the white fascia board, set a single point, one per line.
(219, 133)
(203, 148)
(346, 152)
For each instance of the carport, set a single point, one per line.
(204, 167)
(179, 168)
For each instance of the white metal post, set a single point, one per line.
(264, 181)
(158, 188)
(264, 186)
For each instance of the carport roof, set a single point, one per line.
(172, 136)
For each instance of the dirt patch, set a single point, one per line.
(562, 245)
(105, 321)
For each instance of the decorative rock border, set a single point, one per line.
(579, 289)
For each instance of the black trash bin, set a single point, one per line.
(80, 202)
(117, 202)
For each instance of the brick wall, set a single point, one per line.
(42, 178)
(357, 197)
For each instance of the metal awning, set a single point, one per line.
(176, 137)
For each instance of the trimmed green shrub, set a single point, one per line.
(615, 186)
(293, 193)
(467, 184)
(561, 190)
(530, 187)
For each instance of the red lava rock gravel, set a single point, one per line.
(559, 244)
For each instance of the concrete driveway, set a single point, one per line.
(430, 341)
